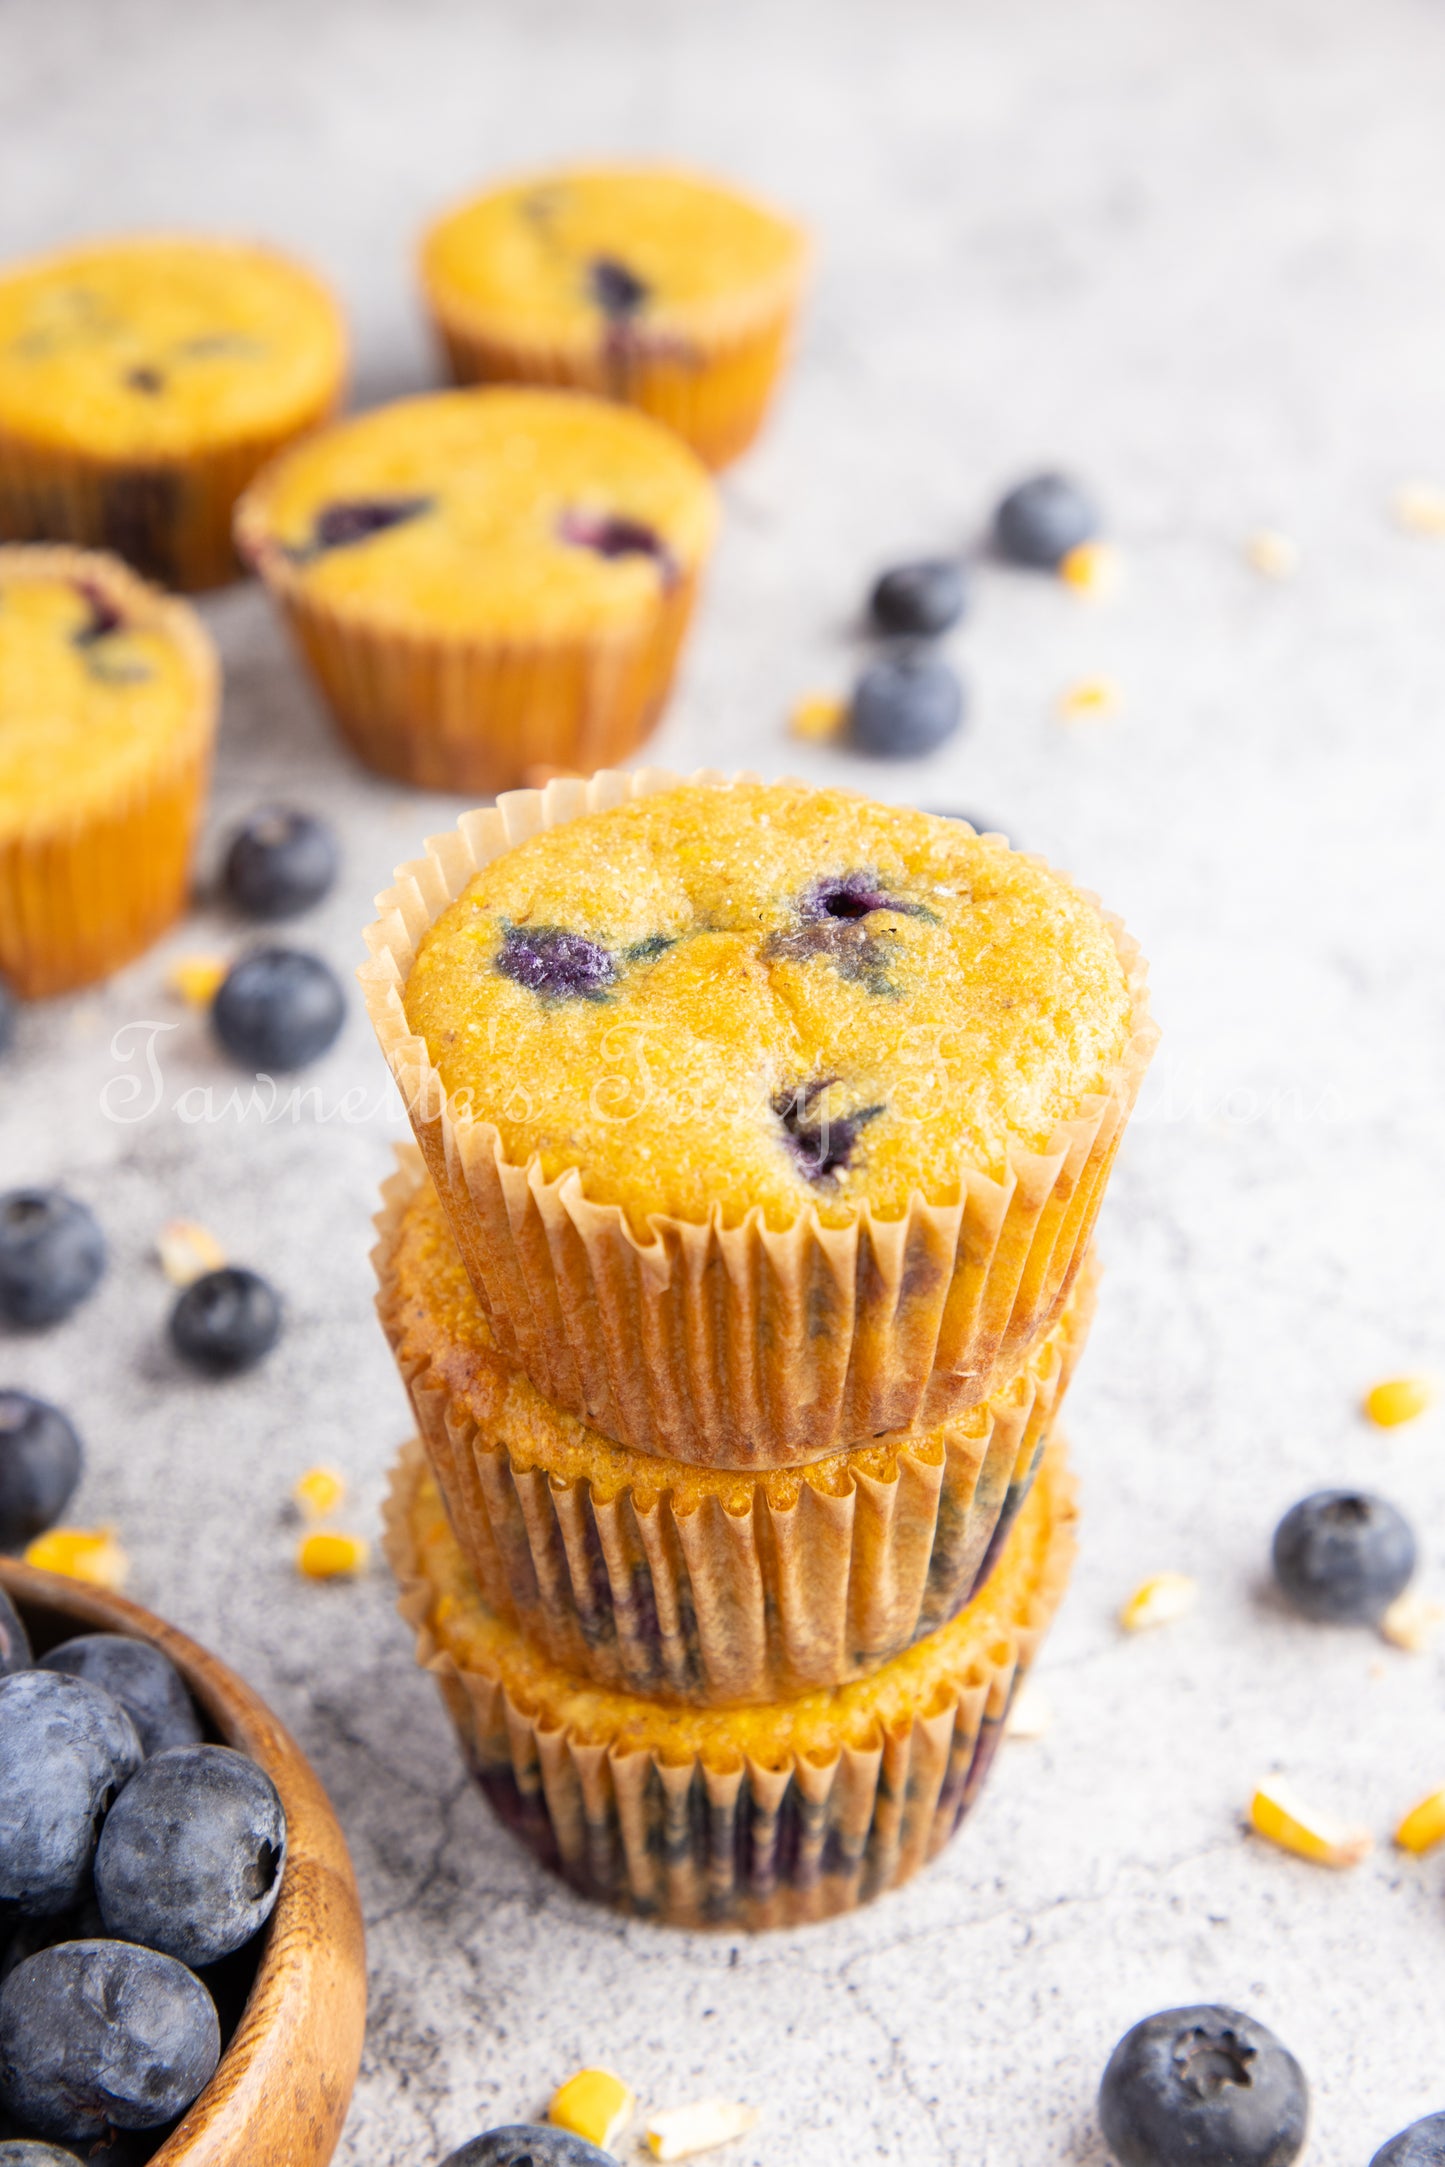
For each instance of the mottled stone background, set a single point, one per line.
(1196, 251)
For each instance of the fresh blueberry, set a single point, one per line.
(1421, 2145)
(528, 2144)
(191, 1855)
(342, 525)
(146, 1683)
(52, 1253)
(40, 1464)
(1042, 520)
(101, 2033)
(1342, 1556)
(618, 292)
(549, 960)
(920, 599)
(15, 1650)
(66, 1749)
(9, 1015)
(226, 1321)
(1203, 2084)
(904, 706)
(280, 862)
(278, 1008)
(30, 2152)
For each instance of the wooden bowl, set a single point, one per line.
(285, 2079)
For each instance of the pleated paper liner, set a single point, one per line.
(742, 1346)
(745, 1818)
(653, 1577)
(82, 893)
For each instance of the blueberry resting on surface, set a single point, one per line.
(528, 2144)
(15, 1650)
(1038, 523)
(904, 706)
(1206, 2085)
(549, 960)
(40, 1464)
(611, 534)
(618, 292)
(920, 599)
(52, 1254)
(101, 2033)
(66, 1749)
(1342, 1556)
(278, 1008)
(1421, 2145)
(226, 1321)
(146, 1683)
(280, 861)
(191, 1855)
(342, 525)
(821, 1144)
(9, 1015)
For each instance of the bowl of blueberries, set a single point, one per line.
(182, 1968)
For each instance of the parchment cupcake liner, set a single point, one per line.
(660, 1579)
(743, 1346)
(83, 893)
(753, 1817)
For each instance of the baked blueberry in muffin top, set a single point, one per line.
(722, 997)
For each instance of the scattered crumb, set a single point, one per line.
(1272, 554)
(1030, 1712)
(196, 978)
(1412, 1622)
(1089, 699)
(1277, 1813)
(1424, 1825)
(319, 1491)
(329, 1556)
(89, 1554)
(1419, 507)
(1399, 1399)
(817, 716)
(679, 2132)
(1092, 568)
(1159, 1601)
(594, 2104)
(187, 1251)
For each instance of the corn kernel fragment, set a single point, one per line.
(1424, 1825)
(1272, 554)
(1419, 507)
(188, 1251)
(1091, 568)
(594, 2104)
(1030, 1712)
(319, 1491)
(1279, 1814)
(1158, 1601)
(89, 1554)
(817, 716)
(329, 1556)
(680, 2132)
(1399, 1399)
(1090, 699)
(1412, 1622)
(196, 979)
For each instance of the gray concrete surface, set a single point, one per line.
(1197, 252)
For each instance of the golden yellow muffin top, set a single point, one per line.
(147, 348)
(727, 996)
(100, 678)
(572, 258)
(922, 1681)
(435, 1322)
(538, 513)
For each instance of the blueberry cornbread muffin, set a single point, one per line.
(144, 381)
(108, 694)
(754, 1816)
(768, 1119)
(695, 1583)
(648, 285)
(486, 581)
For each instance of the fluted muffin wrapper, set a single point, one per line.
(739, 1346)
(776, 1587)
(714, 1837)
(83, 892)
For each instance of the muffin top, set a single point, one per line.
(727, 996)
(491, 511)
(148, 347)
(100, 677)
(564, 259)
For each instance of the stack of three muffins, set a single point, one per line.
(736, 1286)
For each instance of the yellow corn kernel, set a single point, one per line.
(1399, 1399)
(1278, 1813)
(89, 1554)
(327, 1556)
(594, 2104)
(1424, 1825)
(1158, 1601)
(196, 978)
(187, 1251)
(1273, 555)
(1419, 507)
(680, 2132)
(1412, 1622)
(1089, 699)
(319, 1491)
(817, 716)
(1030, 1712)
(1091, 568)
